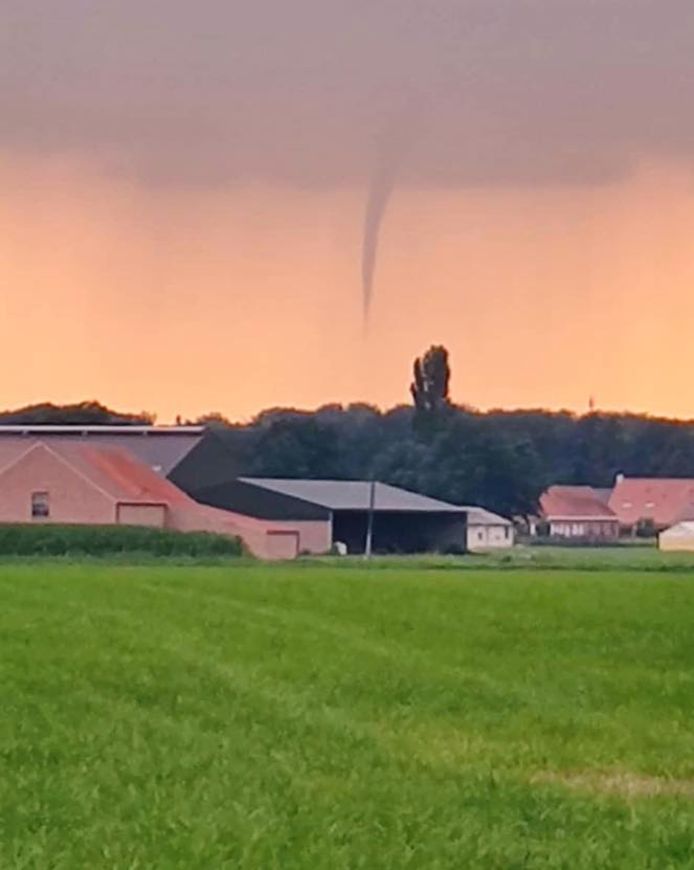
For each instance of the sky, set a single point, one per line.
(183, 190)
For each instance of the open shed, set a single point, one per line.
(403, 521)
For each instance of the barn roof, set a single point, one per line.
(353, 495)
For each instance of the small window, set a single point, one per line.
(40, 506)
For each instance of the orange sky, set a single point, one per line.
(186, 301)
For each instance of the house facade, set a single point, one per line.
(579, 512)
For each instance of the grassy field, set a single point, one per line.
(280, 717)
(624, 557)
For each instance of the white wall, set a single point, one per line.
(489, 537)
(676, 539)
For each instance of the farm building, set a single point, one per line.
(678, 537)
(589, 512)
(580, 512)
(487, 531)
(663, 502)
(64, 480)
(403, 521)
(202, 466)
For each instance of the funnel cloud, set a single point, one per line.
(380, 191)
(391, 152)
(222, 93)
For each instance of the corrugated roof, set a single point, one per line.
(162, 448)
(42, 429)
(353, 495)
(477, 516)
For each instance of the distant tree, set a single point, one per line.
(432, 375)
(90, 413)
(430, 391)
(296, 448)
(213, 418)
(645, 528)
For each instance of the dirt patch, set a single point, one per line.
(619, 783)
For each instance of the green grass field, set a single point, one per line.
(286, 717)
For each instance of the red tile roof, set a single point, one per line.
(574, 502)
(663, 500)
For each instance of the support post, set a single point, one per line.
(370, 521)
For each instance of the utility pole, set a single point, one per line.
(370, 521)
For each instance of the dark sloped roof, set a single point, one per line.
(352, 495)
(162, 448)
(219, 456)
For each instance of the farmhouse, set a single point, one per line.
(578, 512)
(403, 521)
(66, 480)
(663, 502)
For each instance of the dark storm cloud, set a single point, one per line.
(302, 91)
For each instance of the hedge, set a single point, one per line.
(68, 540)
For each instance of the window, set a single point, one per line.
(40, 506)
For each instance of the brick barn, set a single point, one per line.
(66, 480)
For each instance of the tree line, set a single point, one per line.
(501, 460)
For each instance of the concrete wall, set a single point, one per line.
(484, 537)
(72, 498)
